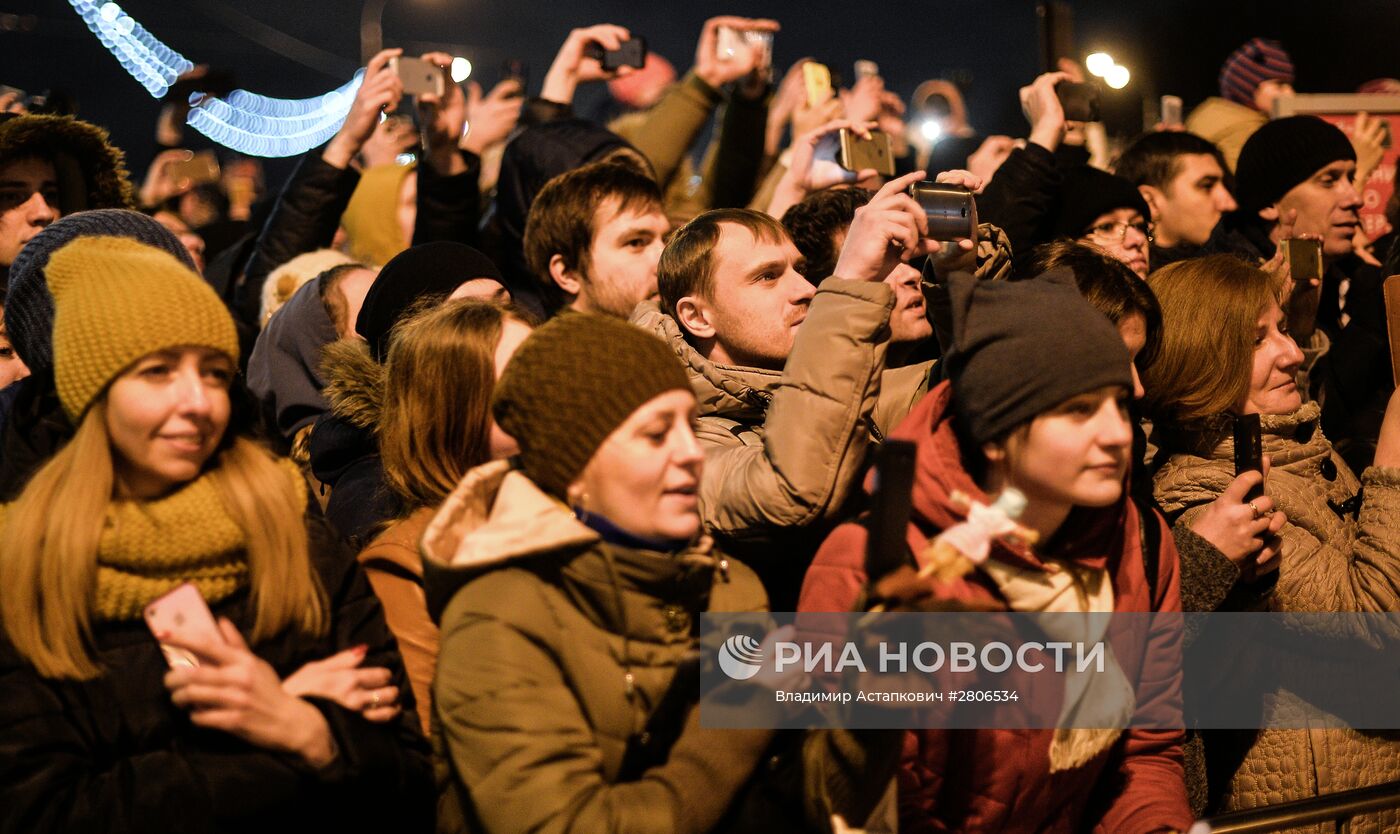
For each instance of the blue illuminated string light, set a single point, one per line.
(246, 122)
(262, 126)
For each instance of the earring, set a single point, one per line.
(580, 508)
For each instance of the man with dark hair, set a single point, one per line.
(1182, 178)
(51, 166)
(786, 374)
(1296, 178)
(593, 238)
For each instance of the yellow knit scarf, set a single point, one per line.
(150, 547)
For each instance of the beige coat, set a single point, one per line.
(1330, 562)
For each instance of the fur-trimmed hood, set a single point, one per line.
(354, 383)
(91, 170)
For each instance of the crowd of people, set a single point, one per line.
(460, 431)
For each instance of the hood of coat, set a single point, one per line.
(1216, 114)
(729, 391)
(497, 516)
(1089, 538)
(346, 434)
(91, 170)
(284, 371)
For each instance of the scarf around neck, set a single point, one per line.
(148, 548)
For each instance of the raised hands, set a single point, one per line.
(492, 117)
(1041, 105)
(380, 92)
(572, 67)
(887, 230)
(747, 59)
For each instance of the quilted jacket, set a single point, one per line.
(1340, 552)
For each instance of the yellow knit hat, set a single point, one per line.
(115, 301)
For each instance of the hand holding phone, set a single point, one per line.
(1249, 450)
(1171, 111)
(632, 53)
(817, 78)
(419, 77)
(863, 154)
(184, 615)
(1079, 101)
(950, 208)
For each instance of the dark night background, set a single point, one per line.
(1171, 46)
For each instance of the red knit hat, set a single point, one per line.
(1257, 61)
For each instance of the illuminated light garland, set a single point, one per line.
(153, 64)
(249, 123)
(250, 127)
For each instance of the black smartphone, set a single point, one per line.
(887, 547)
(951, 210)
(632, 53)
(1079, 101)
(1249, 450)
(515, 69)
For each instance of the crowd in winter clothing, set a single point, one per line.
(458, 452)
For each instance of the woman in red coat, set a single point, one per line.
(1036, 399)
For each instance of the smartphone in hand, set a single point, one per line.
(1249, 450)
(1304, 256)
(858, 154)
(419, 77)
(817, 79)
(632, 53)
(181, 613)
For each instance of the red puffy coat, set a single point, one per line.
(1000, 780)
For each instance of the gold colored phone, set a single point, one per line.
(1304, 259)
(858, 154)
(818, 80)
(200, 169)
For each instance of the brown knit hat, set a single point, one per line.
(571, 384)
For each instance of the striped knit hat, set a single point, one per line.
(1257, 61)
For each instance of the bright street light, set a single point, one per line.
(1117, 77)
(1099, 63)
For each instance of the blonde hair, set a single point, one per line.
(283, 282)
(436, 418)
(1210, 309)
(51, 535)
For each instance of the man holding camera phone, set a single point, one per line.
(787, 375)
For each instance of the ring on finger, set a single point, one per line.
(1258, 514)
(374, 699)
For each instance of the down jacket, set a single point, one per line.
(113, 754)
(1340, 552)
(783, 448)
(558, 650)
(999, 780)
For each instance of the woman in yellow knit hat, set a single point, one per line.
(289, 717)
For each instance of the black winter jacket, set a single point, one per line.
(114, 755)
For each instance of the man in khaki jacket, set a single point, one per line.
(785, 412)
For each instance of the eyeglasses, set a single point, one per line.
(1117, 231)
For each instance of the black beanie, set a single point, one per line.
(1086, 193)
(29, 304)
(571, 384)
(1284, 153)
(416, 272)
(1020, 348)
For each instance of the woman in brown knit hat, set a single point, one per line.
(269, 725)
(568, 583)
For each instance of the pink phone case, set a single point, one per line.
(181, 613)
